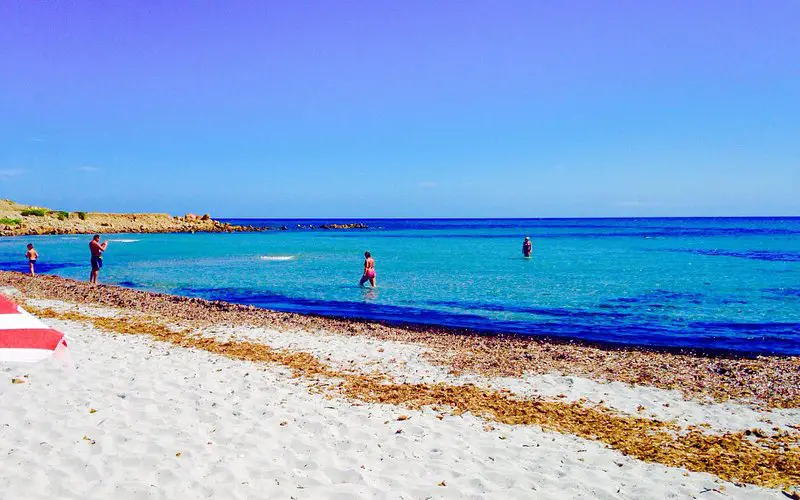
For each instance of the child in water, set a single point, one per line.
(369, 270)
(527, 247)
(32, 255)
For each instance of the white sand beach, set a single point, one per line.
(138, 418)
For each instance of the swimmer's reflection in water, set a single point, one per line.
(370, 294)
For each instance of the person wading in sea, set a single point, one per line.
(369, 270)
(527, 247)
(96, 248)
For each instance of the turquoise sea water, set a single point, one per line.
(711, 283)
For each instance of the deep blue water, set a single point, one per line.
(703, 283)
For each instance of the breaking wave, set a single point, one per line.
(277, 258)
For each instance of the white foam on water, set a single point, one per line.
(124, 241)
(277, 258)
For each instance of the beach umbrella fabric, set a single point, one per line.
(24, 338)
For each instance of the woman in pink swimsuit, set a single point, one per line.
(369, 270)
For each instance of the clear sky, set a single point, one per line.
(402, 109)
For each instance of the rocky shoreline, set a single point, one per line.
(25, 220)
(121, 223)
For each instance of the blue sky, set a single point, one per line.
(402, 109)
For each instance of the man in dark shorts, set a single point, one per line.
(32, 255)
(96, 248)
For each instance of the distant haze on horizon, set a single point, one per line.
(390, 109)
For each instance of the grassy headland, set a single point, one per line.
(17, 219)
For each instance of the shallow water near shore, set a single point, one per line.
(712, 283)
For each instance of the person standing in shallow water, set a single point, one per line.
(96, 248)
(527, 247)
(32, 255)
(369, 270)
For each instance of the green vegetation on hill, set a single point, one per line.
(10, 222)
(39, 212)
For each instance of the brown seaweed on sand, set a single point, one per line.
(771, 461)
(764, 381)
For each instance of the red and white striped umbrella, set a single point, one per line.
(25, 339)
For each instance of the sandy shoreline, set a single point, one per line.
(179, 423)
(772, 381)
(195, 399)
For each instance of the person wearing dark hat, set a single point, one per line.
(527, 247)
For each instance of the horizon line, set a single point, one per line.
(525, 218)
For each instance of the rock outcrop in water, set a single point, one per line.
(354, 225)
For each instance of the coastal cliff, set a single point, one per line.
(19, 220)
